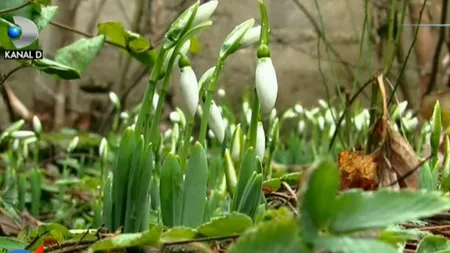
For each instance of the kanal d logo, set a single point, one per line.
(40, 249)
(24, 33)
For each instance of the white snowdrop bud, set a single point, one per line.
(289, 114)
(155, 101)
(301, 126)
(298, 109)
(323, 104)
(266, 84)
(236, 143)
(168, 133)
(37, 126)
(221, 93)
(189, 87)
(204, 12)
(216, 122)
(260, 141)
(22, 134)
(114, 100)
(103, 148)
(251, 36)
(174, 117)
(73, 144)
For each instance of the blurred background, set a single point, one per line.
(315, 45)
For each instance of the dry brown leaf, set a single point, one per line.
(397, 156)
(357, 170)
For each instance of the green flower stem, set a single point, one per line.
(144, 112)
(207, 103)
(165, 88)
(264, 40)
(254, 120)
(187, 137)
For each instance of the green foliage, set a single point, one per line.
(80, 54)
(135, 45)
(434, 244)
(171, 191)
(195, 186)
(231, 224)
(147, 238)
(56, 69)
(274, 236)
(10, 244)
(46, 15)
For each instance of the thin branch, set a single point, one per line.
(316, 26)
(437, 52)
(71, 29)
(16, 8)
(4, 92)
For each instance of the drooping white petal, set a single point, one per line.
(260, 141)
(204, 12)
(236, 144)
(266, 84)
(189, 90)
(216, 122)
(155, 101)
(37, 126)
(251, 36)
(22, 134)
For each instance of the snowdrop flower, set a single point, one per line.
(332, 129)
(211, 134)
(236, 143)
(399, 110)
(22, 134)
(114, 100)
(323, 104)
(221, 93)
(174, 117)
(103, 148)
(216, 122)
(37, 126)
(266, 84)
(273, 114)
(289, 114)
(260, 141)
(248, 116)
(73, 144)
(251, 37)
(301, 126)
(124, 115)
(321, 122)
(155, 101)
(16, 144)
(189, 87)
(330, 114)
(298, 109)
(204, 12)
(168, 133)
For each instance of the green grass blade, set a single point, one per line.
(248, 166)
(36, 191)
(133, 194)
(251, 197)
(120, 178)
(145, 180)
(195, 187)
(107, 201)
(171, 191)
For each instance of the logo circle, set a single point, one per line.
(14, 32)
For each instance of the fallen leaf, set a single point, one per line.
(397, 156)
(357, 170)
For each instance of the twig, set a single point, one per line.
(4, 92)
(71, 29)
(416, 32)
(289, 189)
(350, 103)
(437, 52)
(10, 73)
(311, 19)
(17, 8)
